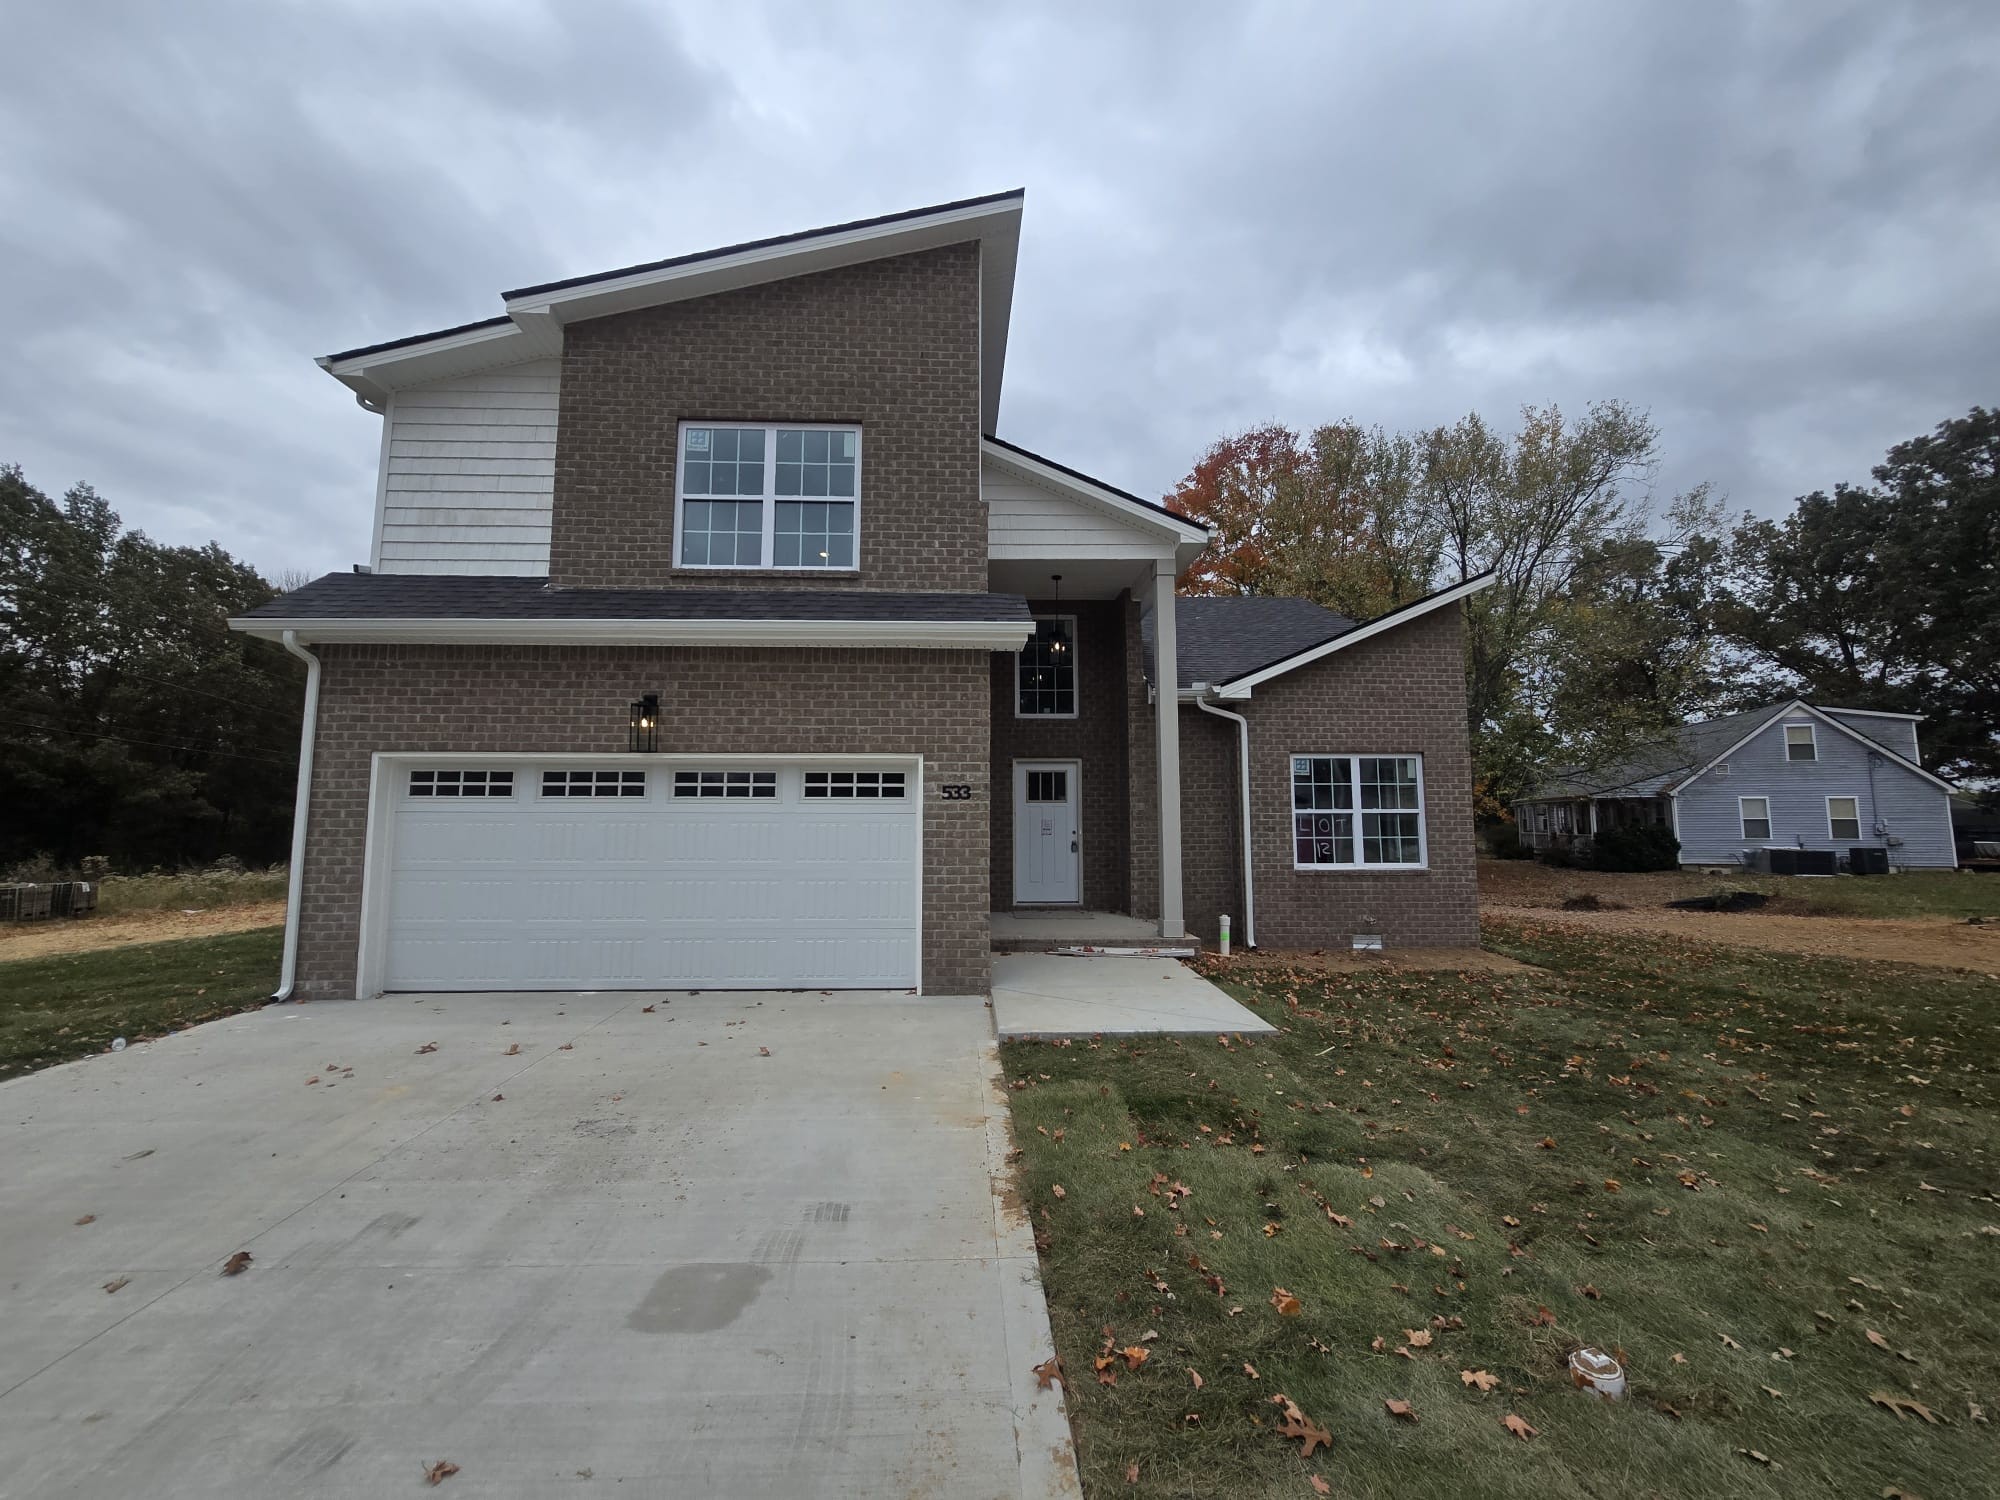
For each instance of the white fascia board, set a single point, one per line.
(977, 635)
(1870, 713)
(376, 375)
(1152, 522)
(1243, 687)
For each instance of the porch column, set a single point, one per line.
(1167, 724)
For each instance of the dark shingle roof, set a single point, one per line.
(1224, 637)
(434, 596)
(1654, 769)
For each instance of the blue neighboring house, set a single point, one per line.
(1791, 776)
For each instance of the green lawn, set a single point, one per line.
(1921, 893)
(54, 1010)
(1745, 1161)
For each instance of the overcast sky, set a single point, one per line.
(1776, 226)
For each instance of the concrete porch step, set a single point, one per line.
(1069, 930)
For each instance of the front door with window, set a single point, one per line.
(1047, 858)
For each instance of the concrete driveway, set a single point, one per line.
(637, 1250)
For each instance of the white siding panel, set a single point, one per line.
(1025, 520)
(470, 473)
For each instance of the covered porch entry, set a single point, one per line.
(1085, 773)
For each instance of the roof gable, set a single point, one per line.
(536, 315)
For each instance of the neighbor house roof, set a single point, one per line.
(535, 315)
(1229, 643)
(407, 606)
(1671, 762)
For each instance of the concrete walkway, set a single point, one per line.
(588, 1239)
(1049, 995)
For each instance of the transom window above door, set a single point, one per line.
(776, 497)
(1045, 671)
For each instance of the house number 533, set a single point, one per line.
(955, 791)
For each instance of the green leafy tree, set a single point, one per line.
(1885, 597)
(133, 723)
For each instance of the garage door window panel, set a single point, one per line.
(461, 784)
(573, 784)
(726, 784)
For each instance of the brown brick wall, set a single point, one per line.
(1400, 693)
(1097, 737)
(892, 345)
(546, 699)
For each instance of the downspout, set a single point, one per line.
(295, 882)
(1243, 782)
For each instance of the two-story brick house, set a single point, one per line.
(710, 640)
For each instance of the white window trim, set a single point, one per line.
(1355, 757)
(1743, 819)
(1859, 827)
(1812, 738)
(1075, 671)
(769, 498)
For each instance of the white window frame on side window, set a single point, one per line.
(1356, 812)
(1835, 838)
(1743, 820)
(769, 500)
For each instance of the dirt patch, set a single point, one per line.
(1455, 960)
(1936, 942)
(88, 935)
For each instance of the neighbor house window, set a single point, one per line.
(768, 496)
(1756, 815)
(1357, 812)
(1799, 742)
(1843, 819)
(1045, 671)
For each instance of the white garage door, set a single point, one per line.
(677, 874)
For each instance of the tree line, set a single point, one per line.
(1618, 614)
(134, 725)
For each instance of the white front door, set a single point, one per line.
(1046, 857)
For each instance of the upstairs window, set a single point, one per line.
(1799, 742)
(1045, 671)
(768, 496)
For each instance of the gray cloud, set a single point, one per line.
(1771, 224)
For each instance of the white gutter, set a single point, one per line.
(1243, 781)
(294, 884)
(982, 635)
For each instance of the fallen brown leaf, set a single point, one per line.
(427, 1047)
(1320, 1486)
(1401, 1410)
(763, 1051)
(1296, 1424)
(1287, 1305)
(1519, 1428)
(1132, 1472)
(1417, 1338)
(237, 1264)
(512, 1051)
(1903, 1406)
(1250, 1370)
(1048, 1371)
(1479, 1380)
(1058, 1191)
(1195, 1376)
(86, 1219)
(1135, 1355)
(1875, 1338)
(116, 1283)
(440, 1471)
